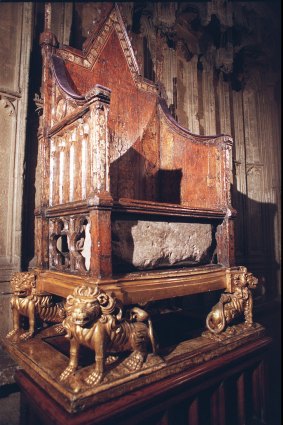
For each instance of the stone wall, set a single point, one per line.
(15, 35)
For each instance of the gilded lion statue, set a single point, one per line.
(94, 319)
(231, 305)
(26, 301)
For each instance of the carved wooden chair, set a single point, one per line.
(130, 200)
(134, 208)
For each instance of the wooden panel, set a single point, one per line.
(240, 399)
(130, 115)
(137, 142)
(193, 412)
(217, 405)
(199, 164)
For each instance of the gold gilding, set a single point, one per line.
(94, 319)
(26, 301)
(232, 304)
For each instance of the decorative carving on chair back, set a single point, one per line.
(96, 152)
(79, 153)
(70, 164)
(144, 137)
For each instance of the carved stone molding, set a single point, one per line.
(8, 104)
(255, 168)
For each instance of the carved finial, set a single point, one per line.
(47, 17)
(8, 105)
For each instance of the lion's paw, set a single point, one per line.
(12, 333)
(67, 372)
(94, 378)
(249, 324)
(59, 329)
(135, 361)
(27, 335)
(111, 359)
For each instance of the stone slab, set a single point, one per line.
(151, 244)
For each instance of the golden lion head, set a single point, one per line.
(88, 304)
(82, 307)
(23, 284)
(252, 281)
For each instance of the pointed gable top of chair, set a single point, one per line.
(97, 41)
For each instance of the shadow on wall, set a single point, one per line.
(255, 241)
(31, 148)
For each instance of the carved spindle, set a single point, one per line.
(76, 140)
(107, 152)
(66, 185)
(72, 167)
(56, 173)
(52, 169)
(61, 145)
(82, 153)
(72, 244)
(86, 161)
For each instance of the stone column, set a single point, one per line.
(15, 47)
(16, 26)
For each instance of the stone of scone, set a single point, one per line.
(151, 244)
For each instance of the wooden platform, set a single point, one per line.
(45, 356)
(140, 287)
(199, 386)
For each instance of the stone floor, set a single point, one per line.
(9, 394)
(9, 408)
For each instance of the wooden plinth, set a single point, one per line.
(226, 390)
(140, 287)
(45, 356)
